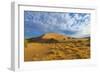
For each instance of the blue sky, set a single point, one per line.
(37, 23)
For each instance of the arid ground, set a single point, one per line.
(52, 46)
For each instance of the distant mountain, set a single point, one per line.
(51, 37)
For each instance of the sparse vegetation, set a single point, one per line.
(53, 49)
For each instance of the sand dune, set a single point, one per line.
(53, 46)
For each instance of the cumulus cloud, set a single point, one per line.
(72, 24)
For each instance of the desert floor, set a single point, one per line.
(71, 49)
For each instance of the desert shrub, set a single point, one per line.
(49, 52)
(83, 54)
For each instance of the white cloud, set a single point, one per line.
(59, 22)
(84, 32)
